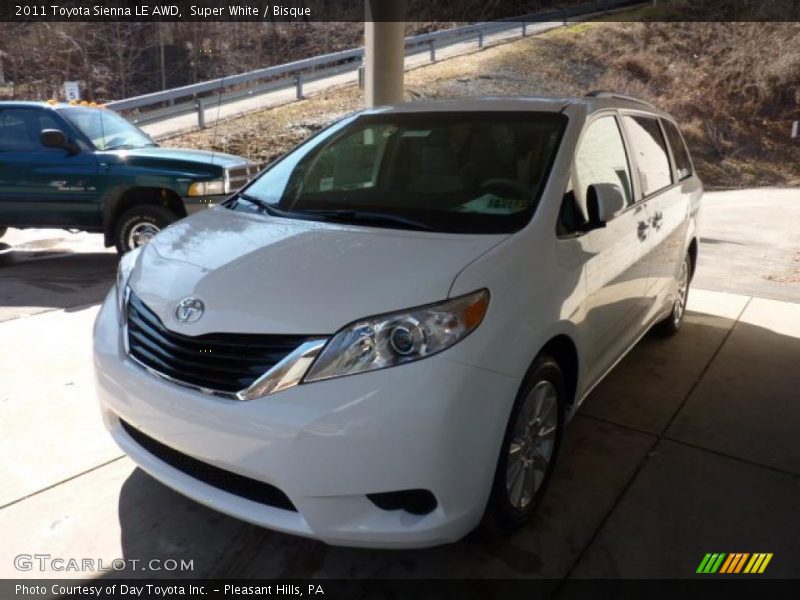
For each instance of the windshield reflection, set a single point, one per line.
(468, 172)
(106, 129)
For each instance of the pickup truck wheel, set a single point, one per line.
(140, 224)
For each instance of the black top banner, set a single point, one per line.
(394, 10)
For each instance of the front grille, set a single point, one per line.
(239, 176)
(220, 362)
(239, 485)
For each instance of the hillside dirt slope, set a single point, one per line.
(733, 87)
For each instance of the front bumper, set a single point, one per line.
(434, 424)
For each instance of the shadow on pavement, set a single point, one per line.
(605, 449)
(34, 280)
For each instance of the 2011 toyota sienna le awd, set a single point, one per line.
(378, 341)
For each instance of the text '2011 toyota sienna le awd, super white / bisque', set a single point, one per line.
(379, 341)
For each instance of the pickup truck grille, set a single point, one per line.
(239, 176)
(222, 363)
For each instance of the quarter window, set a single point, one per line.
(650, 150)
(683, 164)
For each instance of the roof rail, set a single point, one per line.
(610, 94)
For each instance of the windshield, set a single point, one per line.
(106, 129)
(456, 172)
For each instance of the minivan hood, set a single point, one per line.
(259, 274)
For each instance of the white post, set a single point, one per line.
(384, 51)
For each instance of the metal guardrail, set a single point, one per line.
(294, 74)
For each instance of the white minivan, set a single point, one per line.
(379, 341)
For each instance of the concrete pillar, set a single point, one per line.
(384, 51)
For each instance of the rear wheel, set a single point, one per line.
(530, 448)
(672, 324)
(138, 225)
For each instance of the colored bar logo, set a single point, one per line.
(734, 563)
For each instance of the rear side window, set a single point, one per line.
(21, 128)
(13, 133)
(683, 164)
(650, 151)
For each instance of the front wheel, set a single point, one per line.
(138, 225)
(530, 447)
(672, 324)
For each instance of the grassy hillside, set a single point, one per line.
(734, 87)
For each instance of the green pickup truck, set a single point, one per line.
(84, 168)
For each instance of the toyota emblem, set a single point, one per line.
(189, 310)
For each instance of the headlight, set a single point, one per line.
(395, 339)
(215, 187)
(126, 265)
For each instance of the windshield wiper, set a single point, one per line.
(340, 215)
(265, 206)
(365, 216)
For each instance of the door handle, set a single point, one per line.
(642, 230)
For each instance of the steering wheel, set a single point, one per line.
(506, 188)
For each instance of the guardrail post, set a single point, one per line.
(480, 38)
(298, 81)
(524, 28)
(433, 50)
(201, 114)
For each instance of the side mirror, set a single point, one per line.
(55, 138)
(604, 201)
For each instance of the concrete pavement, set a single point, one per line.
(47, 269)
(751, 244)
(639, 469)
(689, 446)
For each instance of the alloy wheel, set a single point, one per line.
(679, 307)
(532, 444)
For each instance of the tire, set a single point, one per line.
(672, 324)
(137, 225)
(513, 500)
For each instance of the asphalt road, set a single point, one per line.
(688, 447)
